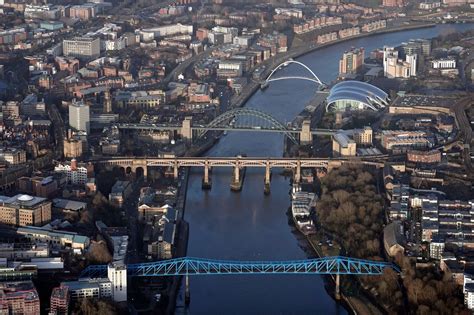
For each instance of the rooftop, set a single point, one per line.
(120, 186)
(22, 201)
(69, 204)
(423, 100)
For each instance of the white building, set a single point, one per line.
(389, 55)
(430, 5)
(116, 44)
(117, 274)
(167, 30)
(443, 64)
(243, 41)
(75, 174)
(412, 60)
(82, 47)
(114, 286)
(89, 288)
(79, 116)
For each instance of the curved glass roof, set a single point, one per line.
(371, 96)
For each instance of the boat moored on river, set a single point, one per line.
(302, 205)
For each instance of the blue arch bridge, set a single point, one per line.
(337, 265)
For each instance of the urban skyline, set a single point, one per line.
(300, 156)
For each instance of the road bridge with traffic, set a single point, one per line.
(239, 119)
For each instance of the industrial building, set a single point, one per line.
(24, 210)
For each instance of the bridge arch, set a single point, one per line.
(314, 79)
(228, 117)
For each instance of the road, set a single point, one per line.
(131, 212)
(181, 68)
(58, 129)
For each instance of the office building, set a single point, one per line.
(76, 173)
(363, 136)
(397, 68)
(412, 59)
(114, 286)
(79, 116)
(88, 288)
(19, 298)
(55, 238)
(342, 145)
(352, 61)
(82, 47)
(13, 156)
(25, 210)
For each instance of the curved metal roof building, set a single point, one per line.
(356, 95)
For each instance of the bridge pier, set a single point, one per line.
(236, 174)
(306, 137)
(237, 181)
(186, 129)
(175, 170)
(267, 178)
(337, 293)
(206, 181)
(297, 176)
(187, 291)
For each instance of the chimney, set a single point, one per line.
(73, 164)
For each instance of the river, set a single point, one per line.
(251, 226)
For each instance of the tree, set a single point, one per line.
(94, 306)
(98, 253)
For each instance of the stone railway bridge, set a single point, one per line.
(139, 166)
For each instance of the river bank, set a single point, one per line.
(181, 239)
(252, 86)
(249, 225)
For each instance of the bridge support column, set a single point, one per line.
(337, 293)
(175, 170)
(267, 178)
(206, 181)
(237, 181)
(187, 291)
(186, 129)
(236, 174)
(297, 178)
(306, 137)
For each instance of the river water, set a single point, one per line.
(251, 226)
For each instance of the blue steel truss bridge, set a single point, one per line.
(186, 266)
